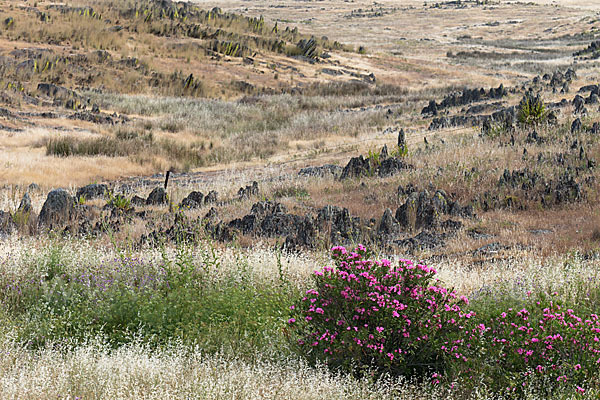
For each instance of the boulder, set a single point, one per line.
(579, 105)
(7, 224)
(343, 227)
(576, 125)
(391, 166)
(388, 224)
(424, 240)
(320, 171)
(356, 167)
(211, 197)
(138, 201)
(157, 197)
(249, 190)
(93, 191)
(58, 209)
(401, 139)
(25, 204)
(193, 200)
(406, 214)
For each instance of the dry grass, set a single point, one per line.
(94, 371)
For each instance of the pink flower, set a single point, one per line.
(577, 367)
(379, 329)
(291, 320)
(580, 390)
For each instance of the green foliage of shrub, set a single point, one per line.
(398, 320)
(364, 313)
(532, 110)
(538, 338)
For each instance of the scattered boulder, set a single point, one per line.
(211, 197)
(424, 240)
(420, 211)
(138, 201)
(356, 167)
(270, 219)
(489, 249)
(391, 166)
(157, 197)
(25, 204)
(55, 92)
(193, 200)
(576, 125)
(93, 191)
(401, 139)
(7, 224)
(388, 224)
(431, 109)
(384, 166)
(249, 190)
(343, 227)
(321, 171)
(579, 105)
(58, 209)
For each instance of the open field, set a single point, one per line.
(464, 135)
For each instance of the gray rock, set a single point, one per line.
(157, 197)
(320, 171)
(579, 105)
(576, 126)
(57, 210)
(93, 191)
(356, 167)
(391, 166)
(138, 201)
(7, 224)
(193, 200)
(211, 197)
(424, 240)
(25, 204)
(406, 214)
(401, 139)
(388, 224)
(249, 190)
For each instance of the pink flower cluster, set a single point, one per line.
(548, 340)
(394, 316)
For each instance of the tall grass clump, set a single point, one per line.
(178, 298)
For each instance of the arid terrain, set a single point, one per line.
(463, 134)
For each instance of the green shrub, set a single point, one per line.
(532, 110)
(538, 338)
(365, 313)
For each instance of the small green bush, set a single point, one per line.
(365, 313)
(532, 110)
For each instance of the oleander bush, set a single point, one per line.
(539, 338)
(397, 319)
